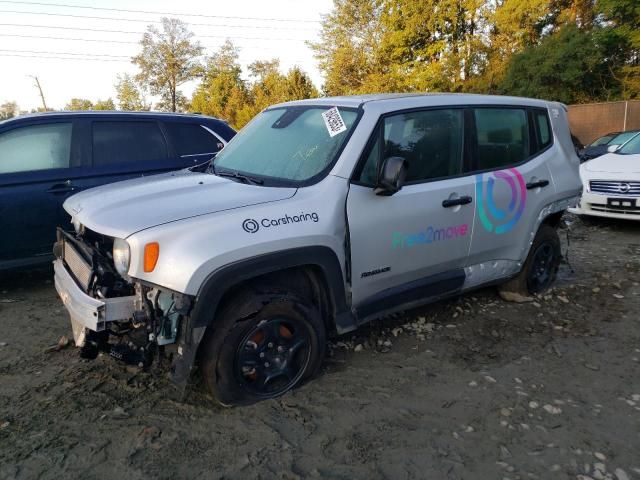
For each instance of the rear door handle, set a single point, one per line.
(60, 188)
(452, 202)
(538, 184)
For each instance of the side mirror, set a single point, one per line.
(391, 176)
(612, 148)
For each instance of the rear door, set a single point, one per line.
(512, 180)
(37, 166)
(414, 244)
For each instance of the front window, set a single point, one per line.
(290, 144)
(632, 147)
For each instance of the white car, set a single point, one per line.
(611, 184)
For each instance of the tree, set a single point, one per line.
(129, 95)
(79, 104)
(270, 86)
(104, 105)
(568, 66)
(348, 50)
(222, 92)
(621, 34)
(169, 58)
(8, 110)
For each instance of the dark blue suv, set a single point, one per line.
(45, 158)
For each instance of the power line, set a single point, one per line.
(101, 30)
(66, 53)
(160, 13)
(61, 58)
(90, 17)
(131, 42)
(85, 56)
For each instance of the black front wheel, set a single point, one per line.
(265, 354)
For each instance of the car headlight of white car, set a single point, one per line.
(121, 256)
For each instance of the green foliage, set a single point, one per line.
(107, 104)
(569, 66)
(483, 46)
(130, 95)
(224, 94)
(169, 58)
(79, 104)
(8, 110)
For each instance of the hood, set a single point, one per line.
(614, 163)
(124, 208)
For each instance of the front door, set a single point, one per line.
(413, 244)
(36, 165)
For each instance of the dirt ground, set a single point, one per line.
(474, 388)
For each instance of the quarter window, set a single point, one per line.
(503, 137)
(191, 139)
(35, 147)
(430, 141)
(544, 129)
(127, 142)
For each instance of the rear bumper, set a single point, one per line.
(596, 205)
(87, 312)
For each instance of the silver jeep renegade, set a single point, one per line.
(317, 217)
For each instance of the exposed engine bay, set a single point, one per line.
(135, 322)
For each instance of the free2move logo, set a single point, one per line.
(497, 218)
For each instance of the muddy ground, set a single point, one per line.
(474, 388)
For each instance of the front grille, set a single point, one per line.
(78, 266)
(614, 187)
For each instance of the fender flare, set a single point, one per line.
(220, 281)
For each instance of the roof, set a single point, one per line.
(356, 101)
(109, 113)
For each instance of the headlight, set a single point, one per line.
(77, 226)
(121, 256)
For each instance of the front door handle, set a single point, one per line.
(452, 202)
(60, 188)
(538, 184)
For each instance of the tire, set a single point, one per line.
(541, 266)
(262, 345)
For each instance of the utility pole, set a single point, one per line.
(44, 104)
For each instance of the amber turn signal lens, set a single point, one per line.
(151, 254)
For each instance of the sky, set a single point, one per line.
(72, 58)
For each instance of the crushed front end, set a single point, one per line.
(132, 321)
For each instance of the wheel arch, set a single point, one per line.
(319, 264)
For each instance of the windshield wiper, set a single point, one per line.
(232, 174)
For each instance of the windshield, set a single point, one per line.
(602, 140)
(632, 147)
(291, 143)
(623, 138)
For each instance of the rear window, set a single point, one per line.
(127, 142)
(192, 139)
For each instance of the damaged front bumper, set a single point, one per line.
(85, 311)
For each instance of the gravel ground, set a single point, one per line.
(473, 388)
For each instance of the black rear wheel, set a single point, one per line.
(541, 267)
(262, 346)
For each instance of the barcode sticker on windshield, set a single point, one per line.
(333, 121)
